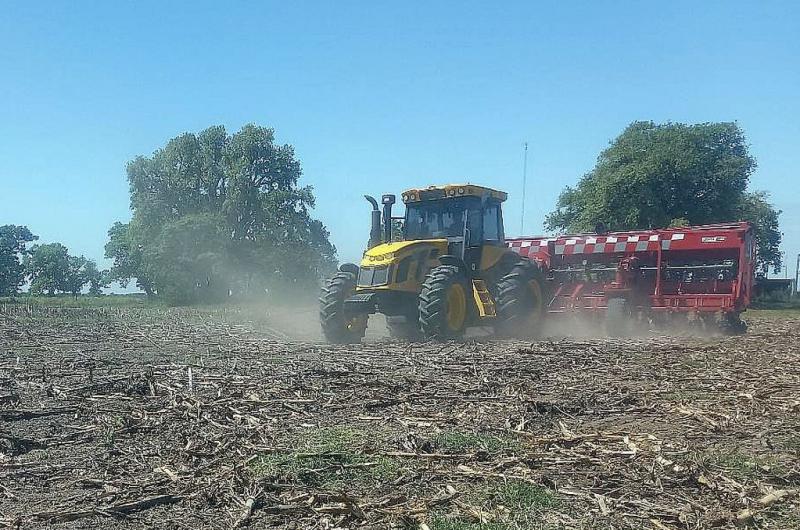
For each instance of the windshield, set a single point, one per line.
(436, 219)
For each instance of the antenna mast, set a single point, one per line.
(524, 182)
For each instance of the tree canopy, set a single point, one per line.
(13, 242)
(658, 175)
(51, 270)
(215, 213)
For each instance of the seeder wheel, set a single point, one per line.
(618, 318)
(732, 324)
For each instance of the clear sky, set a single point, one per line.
(380, 96)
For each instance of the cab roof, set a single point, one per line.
(452, 190)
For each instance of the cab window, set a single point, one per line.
(475, 228)
(492, 231)
(436, 219)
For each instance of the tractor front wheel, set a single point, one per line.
(443, 303)
(337, 326)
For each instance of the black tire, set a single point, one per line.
(338, 327)
(403, 327)
(618, 317)
(732, 324)
(437, 308)
(521, 301)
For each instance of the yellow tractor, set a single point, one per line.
(441, 268)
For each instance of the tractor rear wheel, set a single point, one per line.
(443, 303)
(337, 326)
(403, 327)
(521, 301)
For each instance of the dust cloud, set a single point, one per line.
(297, 320)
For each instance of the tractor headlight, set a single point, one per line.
(381, 276)
(365, 276)
(373, 276)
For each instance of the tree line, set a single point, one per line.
(218, 215)
(48, 269)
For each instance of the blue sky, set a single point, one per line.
(380, 96)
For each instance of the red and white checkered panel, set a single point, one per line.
(687, 238)
(531, 248)
(605, 244)
(596, 244)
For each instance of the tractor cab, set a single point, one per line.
(469, 217)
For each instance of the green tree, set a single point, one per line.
(658, 175)
(243, 192)
(49, 268)
(127, 254)
(756, 208)
(75, 277)
(192, 260)
(90, 275)
(13, 249)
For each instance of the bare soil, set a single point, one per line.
(139, 418)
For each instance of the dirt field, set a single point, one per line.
(140, 418)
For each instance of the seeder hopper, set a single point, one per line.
(698, 274)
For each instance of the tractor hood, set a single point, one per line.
(387, 253)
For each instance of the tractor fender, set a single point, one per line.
(455, 261)
(352, 268)
(509, 259)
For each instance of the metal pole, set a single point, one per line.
(524, 182)
(785, 266)
(797, 276)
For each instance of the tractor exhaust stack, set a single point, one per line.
(375, 223)
(387, 200)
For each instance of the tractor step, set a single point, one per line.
(483, 299)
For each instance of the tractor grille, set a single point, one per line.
(371, 276)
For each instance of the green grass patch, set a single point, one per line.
(68, 300)
(786, 310)
(513, 504)
(464, 442)
(334, 471)
(519, 495)
(445, 523)
(336, 439)
(331, 457)
(740, 465)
